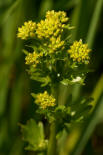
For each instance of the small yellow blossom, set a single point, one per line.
(27, 30)
(55, 43)
(79, 52)
(60, 15)
(32, 58)
(45, 100)
(52, 25)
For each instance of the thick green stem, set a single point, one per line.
(52, 140)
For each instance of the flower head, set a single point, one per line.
(27, 30)
(55, 43)
(79, 52)
(45, 100)
(52, 25)
(60, 15)
(33, 58)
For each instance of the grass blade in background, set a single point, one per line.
(94, 22)
(45, 6)
(97, 91)
(16, 102)
(7, 54)
(10, 10)
(4, 84)
(96, 117)
(18, 146)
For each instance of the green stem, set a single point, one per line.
(52, 140)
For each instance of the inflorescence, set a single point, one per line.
(27, 30)
(52, 25)
(33, 58)
(50, 31)
(49, 34)
(45, 100)
(79, 52)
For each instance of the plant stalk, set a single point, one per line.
(52, 140)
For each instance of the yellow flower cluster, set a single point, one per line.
(27, 30)
(50, 30)
(55, 44)
(52, 25)
(45, 100)
(79, 52)
(32, 58)
(61, 15)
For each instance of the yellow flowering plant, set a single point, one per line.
(54, 60)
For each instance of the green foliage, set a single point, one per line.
(71, 113)
(33, 134)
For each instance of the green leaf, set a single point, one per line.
(44, 80)
(76, 80)
(80, 110)
(33, 134)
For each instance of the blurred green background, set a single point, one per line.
(16, 104)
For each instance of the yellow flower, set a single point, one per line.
(55, 43)
(60, 15)
(27, 30)
(33, 58)
(79, 52)
(52, 25)
(45, 100)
